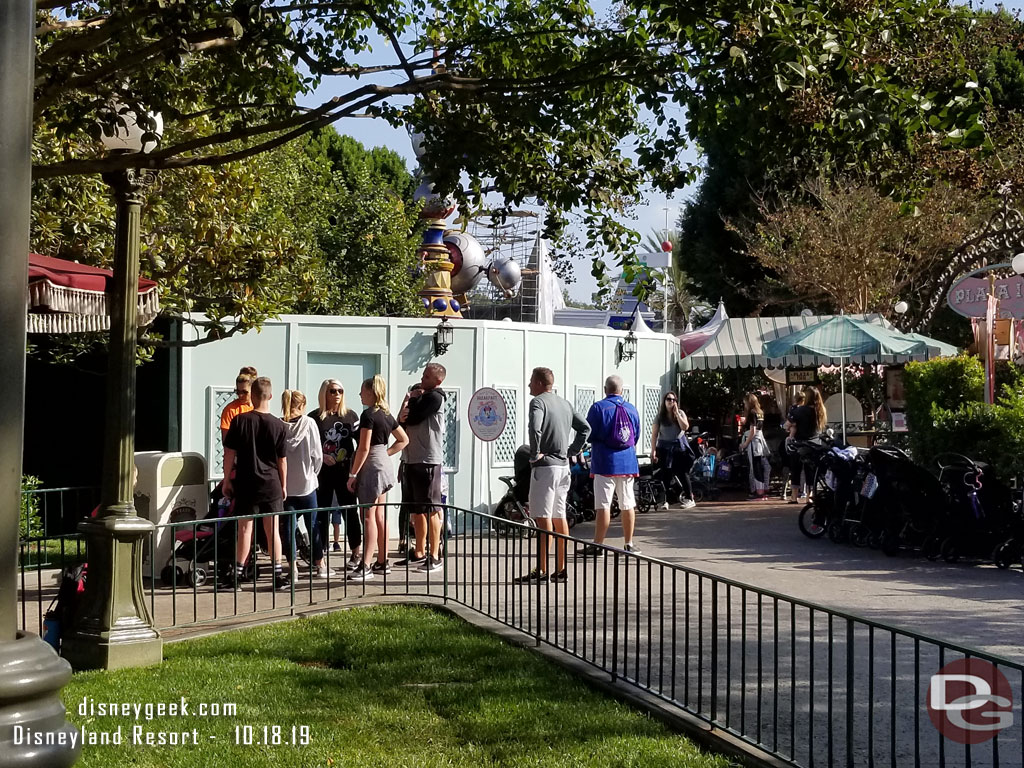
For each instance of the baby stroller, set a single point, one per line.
(983, 522)
(514, 505)
(197, 548)
(581, 488)
(910, 508)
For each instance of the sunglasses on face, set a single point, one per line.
(241, 392)
(335, 391)
(670, 399)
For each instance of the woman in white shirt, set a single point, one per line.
(305, 457)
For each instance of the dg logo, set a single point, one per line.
(970, 701)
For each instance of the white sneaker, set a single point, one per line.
(688, 504)
(663, 507)
(631, 547)
(295, 572)
(323, 572)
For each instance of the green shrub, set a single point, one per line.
(30, 522)
(947, 384)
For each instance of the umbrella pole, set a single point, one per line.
(842, 394)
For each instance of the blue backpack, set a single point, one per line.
(623, 435)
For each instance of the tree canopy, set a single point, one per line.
(536, 99)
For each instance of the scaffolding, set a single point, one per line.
(508, 235)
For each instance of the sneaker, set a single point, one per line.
(378, 567)
(403, 545)
(631, 547)
(353, 562)
(324, 572)
(688, 504)
(430, 565)
(412, 559)
(295, 572)
(536, 576)
(282, 580)
(559, 577)
(336, 547)
(663, 507)
(592, 550)
(361, 573)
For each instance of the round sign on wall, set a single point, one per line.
(487, 414)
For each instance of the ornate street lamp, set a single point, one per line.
(627, 347)
(114, 628)
(31, 674)
(444, 336)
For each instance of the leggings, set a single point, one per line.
(334, 482)
(674, 462)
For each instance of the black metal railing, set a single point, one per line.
(807, 684)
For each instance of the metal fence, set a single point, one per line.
(809, 685)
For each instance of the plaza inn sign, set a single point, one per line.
(969, 295)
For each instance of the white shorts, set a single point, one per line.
(549, 487)
(605, 486)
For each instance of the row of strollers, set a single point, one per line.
(880, 498)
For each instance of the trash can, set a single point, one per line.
(171, 488)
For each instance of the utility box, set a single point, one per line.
(171, 488)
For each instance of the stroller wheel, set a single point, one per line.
(890, 543)
(874, 539)
(859, 535)
(570, 516)
(932, 548)
(809, 524)
(197, 576)
(171, 575)
(836, 531)
(950, 552)
(1006, 554)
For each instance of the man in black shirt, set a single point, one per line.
(254, 449)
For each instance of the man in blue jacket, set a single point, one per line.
(614, 426)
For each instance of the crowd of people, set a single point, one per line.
(328, 462)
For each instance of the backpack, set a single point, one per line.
(623, 435)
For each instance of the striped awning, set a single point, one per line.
(739, 343)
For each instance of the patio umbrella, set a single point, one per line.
(842, 337)
(68, 297)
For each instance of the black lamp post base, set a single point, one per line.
(31, 676)
(114, 629)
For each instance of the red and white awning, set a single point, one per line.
(68, 297)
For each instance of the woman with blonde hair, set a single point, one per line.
(373, 473)
(338, 426)
(305, 456)
(756, 447)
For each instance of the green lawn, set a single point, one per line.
(378, 687)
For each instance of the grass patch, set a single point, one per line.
(52, 553)
(385, 686)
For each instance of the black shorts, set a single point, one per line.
(422, 483)
(244, 507)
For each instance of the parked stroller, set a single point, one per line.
(514, 505)
(910, 508)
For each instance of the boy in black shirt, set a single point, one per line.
(254, 449)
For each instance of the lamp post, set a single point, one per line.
(114, 628)
(31, 674)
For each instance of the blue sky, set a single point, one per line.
(648, 217)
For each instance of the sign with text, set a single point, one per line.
(801, 376)
(487, 414)
(969, 295)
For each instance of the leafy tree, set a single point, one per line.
(535, 99)
(844, 247)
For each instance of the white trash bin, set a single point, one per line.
(171, 488)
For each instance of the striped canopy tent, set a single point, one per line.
(68, 297)
(728, 342)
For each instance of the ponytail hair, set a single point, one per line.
(379, 387)
(292, 400)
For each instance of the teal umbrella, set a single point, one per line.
(842, 337)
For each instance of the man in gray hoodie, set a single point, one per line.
(551, 419)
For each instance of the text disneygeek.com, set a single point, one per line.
(141, 735)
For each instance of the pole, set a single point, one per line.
(842, 394)
(114, 628)
(31, 673)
